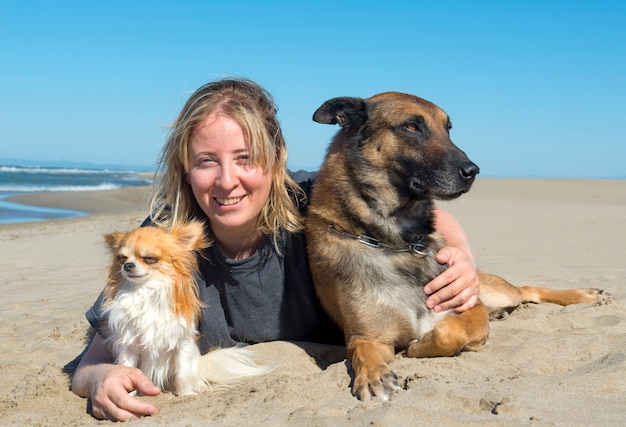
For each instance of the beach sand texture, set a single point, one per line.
(543, 365)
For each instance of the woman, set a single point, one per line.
(225, 163)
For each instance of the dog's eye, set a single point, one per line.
(121, 259)
(416, 124)
(413, 127)
(150, 260)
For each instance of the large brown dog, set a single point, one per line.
(372, 242)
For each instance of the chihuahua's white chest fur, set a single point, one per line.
(147, 334)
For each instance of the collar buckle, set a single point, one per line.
(419, 248)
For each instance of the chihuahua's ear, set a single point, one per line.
(113, 240)
(190, 235)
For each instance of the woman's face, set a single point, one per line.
(230, 190)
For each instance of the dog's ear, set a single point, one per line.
(346, 111)
(190, 235)
(113, 240)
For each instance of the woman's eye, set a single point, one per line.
(150, 260)
(244, 160)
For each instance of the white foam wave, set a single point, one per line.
(60, 171)
(41, 188)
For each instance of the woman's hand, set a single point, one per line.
(110, 388)
(456, 288)
(108, 385)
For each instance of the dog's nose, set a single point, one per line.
(469, 170)
(128, 266)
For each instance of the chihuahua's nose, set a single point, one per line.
(129, 266)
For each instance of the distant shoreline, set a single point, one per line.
(100, 202)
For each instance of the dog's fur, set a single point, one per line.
(152, 304)
(372, 241)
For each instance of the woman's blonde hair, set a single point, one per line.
(253, 108)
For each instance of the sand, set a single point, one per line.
(543, 364)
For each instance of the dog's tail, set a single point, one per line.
(226, 366)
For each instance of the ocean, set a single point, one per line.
(16, 180)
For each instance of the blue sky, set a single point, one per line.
(534, 88)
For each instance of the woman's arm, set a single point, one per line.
(108, 385)
(456, 288)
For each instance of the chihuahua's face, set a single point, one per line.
(139, 256)
(149, 253)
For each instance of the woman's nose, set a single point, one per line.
(227, 178)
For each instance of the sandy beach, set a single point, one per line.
(543, 365)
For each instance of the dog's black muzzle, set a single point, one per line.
(468, 171)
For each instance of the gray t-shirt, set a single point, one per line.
(266, 297)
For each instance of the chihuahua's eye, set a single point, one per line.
(150, 260)
(121, 259)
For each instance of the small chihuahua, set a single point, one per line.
(152, 303)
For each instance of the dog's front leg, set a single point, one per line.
(455, 333)
(188, 380)
(127, 357)
(372, 376)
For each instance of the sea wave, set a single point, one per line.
(41, 188)
(60, 170)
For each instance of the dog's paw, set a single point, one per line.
(587, 295)
(603, 298)
(381, 384)
(184, 389)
